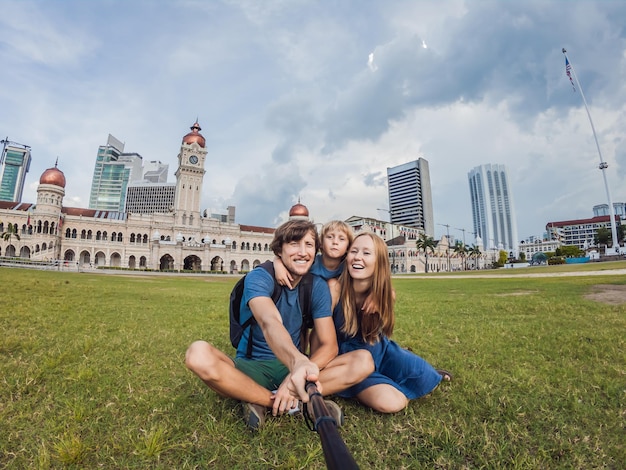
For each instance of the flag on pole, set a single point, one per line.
(568, 71)
(28, 220)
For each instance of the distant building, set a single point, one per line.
(113, 171)
(493, 212)
(578, 232)
(155, 171)
(535, 245)
(410, 197)
(14, 164)
(619, 209)
(149, 198)
(179, 239)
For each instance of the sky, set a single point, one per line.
(312, 101)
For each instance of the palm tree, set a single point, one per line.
(10, 233)
(424, 242)
(461, 250)
(475, 252)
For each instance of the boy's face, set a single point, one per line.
(298, 256)
(335, 244)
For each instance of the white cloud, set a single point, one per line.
(289, 107)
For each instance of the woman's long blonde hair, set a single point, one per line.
(380, 295)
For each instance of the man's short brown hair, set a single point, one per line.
(293, 230)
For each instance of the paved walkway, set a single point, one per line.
(518, 273)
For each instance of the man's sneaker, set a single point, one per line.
(253, 415)
(334, 410)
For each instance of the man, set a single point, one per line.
(275, 374)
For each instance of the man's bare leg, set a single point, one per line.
(218, 371)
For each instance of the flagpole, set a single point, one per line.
(603, 165)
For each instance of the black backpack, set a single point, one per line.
(305, 287)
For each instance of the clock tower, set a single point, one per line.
(189, 176)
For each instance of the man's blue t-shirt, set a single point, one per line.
(260, 283)
(320, 270)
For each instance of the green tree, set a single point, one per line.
(474, 252)
(569, 251)
(461, 250)
(602, 236)
(425, 243)
(502, 257)
(10, 233)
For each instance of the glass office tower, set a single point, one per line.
(14, 164)
(113, 171)
(493, 213)
(410, 197)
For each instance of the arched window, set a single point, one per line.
(74, 233)
(89, 234)
(132, 238)
(105, 236)
(68, 233)
(145, 238)
(120, 237)
(83, 234)
(98, 235)
(46, 226)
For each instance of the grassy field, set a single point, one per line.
(92, 376)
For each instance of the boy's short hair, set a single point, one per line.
(339, 225)
(293, 230)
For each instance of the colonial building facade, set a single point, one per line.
(177, 239)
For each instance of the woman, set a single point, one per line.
(400, 375)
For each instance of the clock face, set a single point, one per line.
(193, 159)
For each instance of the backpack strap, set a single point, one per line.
(305, 291)
(269, 267)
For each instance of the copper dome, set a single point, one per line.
(195, 136)
(298, 210)
(53, 176)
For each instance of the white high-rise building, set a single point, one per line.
(493, 212)
(410, 198)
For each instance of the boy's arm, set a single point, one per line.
(282, 276)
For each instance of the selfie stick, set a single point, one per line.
(336, 453)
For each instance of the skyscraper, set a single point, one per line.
(14, 164)
(410, 198)
(493, 213)
(113, 171)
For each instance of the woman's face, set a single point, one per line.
(361, 259)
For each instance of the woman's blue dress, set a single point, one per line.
(395, 366)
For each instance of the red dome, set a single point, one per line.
(195, 136)
(298, 210)
(53, 176)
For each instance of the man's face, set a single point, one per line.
(298, 256)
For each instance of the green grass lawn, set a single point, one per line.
(92, 376)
